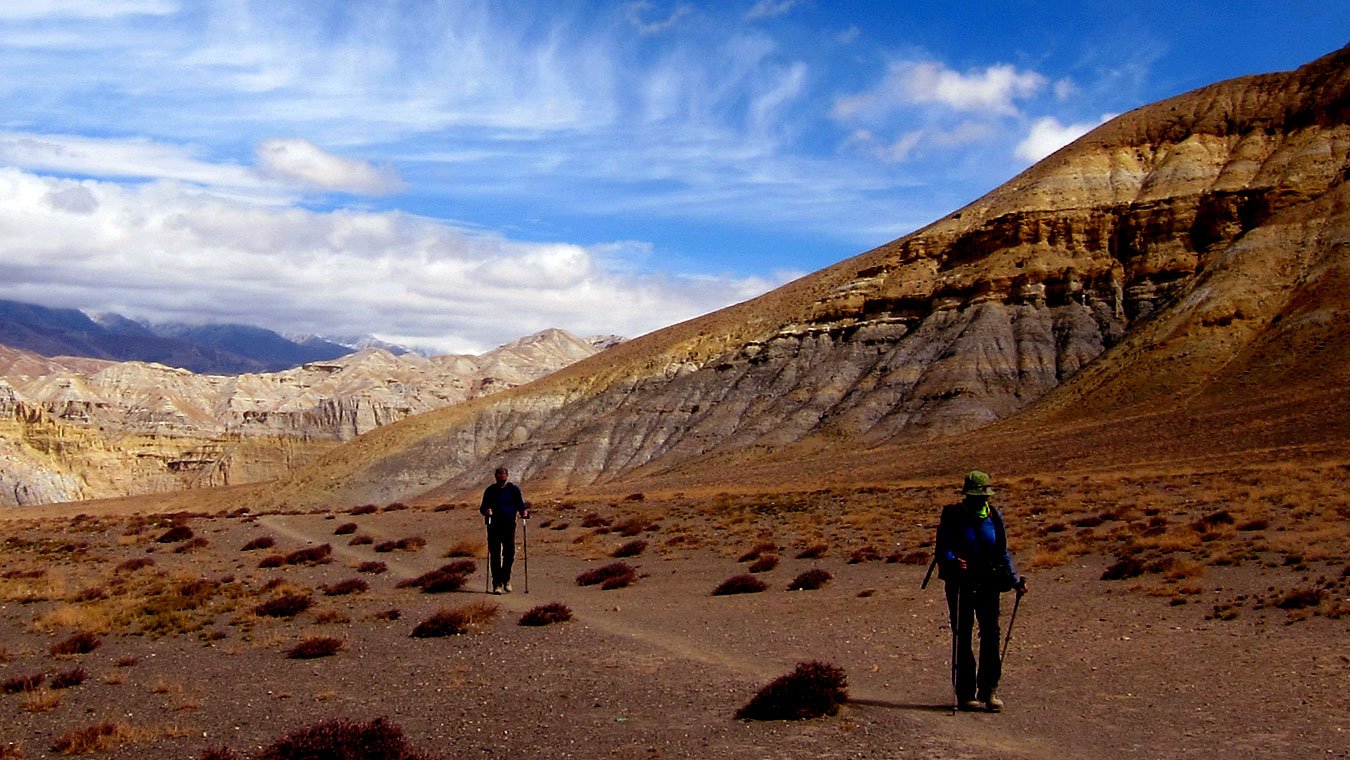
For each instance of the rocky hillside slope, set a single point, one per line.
(1128, 267)
(78, 428)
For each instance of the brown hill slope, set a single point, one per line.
(1187, 255)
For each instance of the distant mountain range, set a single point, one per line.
(221, 349)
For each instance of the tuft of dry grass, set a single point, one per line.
(284, 606)
(99, 737)
(374, 567)
(83, 642)
(311, 555)
(40, 700)
(20, 684)
(811, 580)
(546, 614)
(814, 551)
(342, 588)
(261, 542)
(740, 584)
(69, 678)
(466, 549)
(630, 549)
(451, 577)
(611, 576)
(764, 564)
(813, 689)
(457, 621)
(315, 647)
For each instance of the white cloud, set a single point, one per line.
(1048, 135)
(991, 91)
(771, 8)
(303, 163)
(132, 158)
(29, 10)
(166, 251)
(638, 9)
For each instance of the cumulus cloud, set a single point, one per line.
(168, 251)
(303, 163)
(993, 90)
(1048, 135)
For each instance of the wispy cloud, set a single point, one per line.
(90, 9)
(639, 12)
(771, 8)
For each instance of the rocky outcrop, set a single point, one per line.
(967, 321)
(78, 428)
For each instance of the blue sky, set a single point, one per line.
(458, 174)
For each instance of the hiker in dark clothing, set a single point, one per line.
(973, 560)
(502, 501)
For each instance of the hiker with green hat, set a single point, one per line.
(974, 562)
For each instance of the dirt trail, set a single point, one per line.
(631, 625)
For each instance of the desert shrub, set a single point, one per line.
(311, 555)
(456, 621)
(545, 614)
(411, 543)
(127, 662)
(261, 542)
(384, 547)
(342, 740)
(68, 678)
(1258, 523)
(314, 647)
(611, 576)
(630, 549)
(451, 577)
(464, 549)
(864, 554)
(764, 564)
(390, 615)
(218, 753)
(630, 526)
(810, 580)
(133, 564)
(79, 643)
(272, 560)
(758, 550)
(17, 684)
(344, 529)
(815, 551)
(594, 520)
(1298, 599)
(175, 534)
(1123, 568)
(811, 690)
(199, 542)
(100, 737)
(361, 539)
(374, 567)
(90, 594)
(284, 606)
(342, 588)
(397, 506)
(365, 509)
(740, 584)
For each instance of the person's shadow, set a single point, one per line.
(943, 708)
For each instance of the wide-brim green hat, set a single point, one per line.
(977, 484)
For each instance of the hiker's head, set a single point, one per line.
(977, 486)
(502, 474)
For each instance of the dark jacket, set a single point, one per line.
(982, 543)
(504, 500)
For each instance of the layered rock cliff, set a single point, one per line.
(962, 323)
(80, 428)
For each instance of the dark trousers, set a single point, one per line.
(501, 550)
(976, 604)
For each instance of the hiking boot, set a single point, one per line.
(507, 587)
(971, 705)
(496, 589)
(993, 703)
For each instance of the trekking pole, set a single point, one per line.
(525, 557)
(1011, 619)
(955, 621)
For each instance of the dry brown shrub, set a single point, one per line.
(467, 548)
(99, 737)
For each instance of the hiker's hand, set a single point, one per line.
(960, 564)
(525, 514)
(1021, 588)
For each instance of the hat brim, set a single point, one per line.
(979, 492)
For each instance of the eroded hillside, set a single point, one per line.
(1137, 262)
